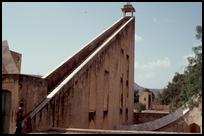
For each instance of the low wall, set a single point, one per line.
(146, 117)
(183, 124)
(158, 123)
(156, 106)
(32, 90)
(177, 126)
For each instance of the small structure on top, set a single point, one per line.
(128, 8)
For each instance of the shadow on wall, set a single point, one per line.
(194, 128)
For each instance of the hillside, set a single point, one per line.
(140, 88)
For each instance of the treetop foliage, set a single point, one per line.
(184, 86)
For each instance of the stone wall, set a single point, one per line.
(17, 59)
(158, 123)
(183, 124)
(11, 61)
(99, 93)
(146, 117)
(146, 98)
(10, 83)
(31, 90)
(182, 120)
(157, 106)
(177, 126)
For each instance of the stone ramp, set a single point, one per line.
(158, 123)
(95, 48)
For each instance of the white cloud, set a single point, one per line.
(160, 63)
(153, 73)
(138, 38)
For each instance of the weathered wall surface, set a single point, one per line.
(158, 123)
(178, 126)
(100, 95)
(182, 120)
(17, 59)
(195, 116)
(146, 117)
(146, 99)
(184, 123)
(157, 106)
(10, 83)
(11, 61)
(31, 90)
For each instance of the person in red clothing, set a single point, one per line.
(19, 118)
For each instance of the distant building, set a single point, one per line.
(146, 98)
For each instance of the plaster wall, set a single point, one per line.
(31, 90)
(100, 95)
(10, 83)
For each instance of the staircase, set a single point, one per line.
(60, 76)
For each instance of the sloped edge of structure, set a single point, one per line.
(159, 123)
(60, 86)
(56, 76)
(55, 68)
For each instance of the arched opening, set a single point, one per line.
(6, 109)
(194, 128)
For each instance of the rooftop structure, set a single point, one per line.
(11, 61)
(128, 8)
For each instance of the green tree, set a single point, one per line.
(194, 73)
(146, 90)
(199, 32)
(183, 86)
(139, 107)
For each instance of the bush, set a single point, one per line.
(139, 107)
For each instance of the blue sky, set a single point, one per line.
(48, 33)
